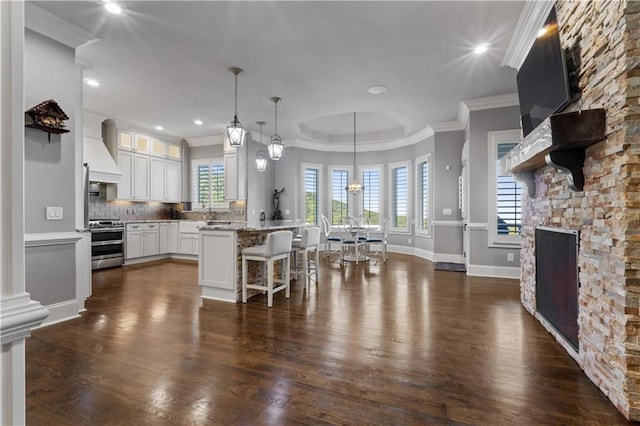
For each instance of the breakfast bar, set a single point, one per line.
(220, 256)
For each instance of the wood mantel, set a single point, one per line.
(560, 141)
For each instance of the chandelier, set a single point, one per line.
(236, 132)
(354, 187)
(276, 147)
(261, 162)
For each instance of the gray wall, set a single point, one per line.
(50, 73)
(447, 153)
(480, 124)
(260, 185)
(50, 168)
(51, 273)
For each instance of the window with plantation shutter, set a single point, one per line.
(372, 195)
(311, 190)
(400, 196)
(339, 196)
(422, 195)
(207, 189)
(505, 211)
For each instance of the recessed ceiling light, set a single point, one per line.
(159, 128)
(481, 48)
(92, 82)
(377, 90)
(113, 8)
(542, 31)
(198, 122)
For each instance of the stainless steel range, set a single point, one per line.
(107, 243)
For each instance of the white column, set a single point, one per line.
(18, 313)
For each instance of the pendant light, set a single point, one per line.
(261, 162)
(354, 187)
(276, 147)
(235, 132)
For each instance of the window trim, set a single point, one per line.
(199, 162)
(417, 196)
(318, 167)
(496, 138)
(380, 169)
(330, 169)
(392, 167)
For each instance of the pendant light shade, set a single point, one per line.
(261, 162)
(354, 187)
(276, 147)
(235, 132)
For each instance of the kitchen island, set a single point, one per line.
(220, 255)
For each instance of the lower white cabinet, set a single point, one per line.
(143, 239)
(173, 237)
(164, 236)
(189, 244)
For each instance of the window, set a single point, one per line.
(505, 213)
(208, 184)
(339, 202)
(400, 196)
(423, 217)
(311, 192)
(372, 195)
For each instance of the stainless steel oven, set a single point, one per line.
(107, 243)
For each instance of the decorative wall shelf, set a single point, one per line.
(560, 141)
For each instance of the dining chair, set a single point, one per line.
(380, 243)
(352, 241)
(329, 238)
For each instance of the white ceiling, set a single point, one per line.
(167, 63)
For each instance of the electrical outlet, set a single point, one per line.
(447, 212)
(509, 257)
(409, 240)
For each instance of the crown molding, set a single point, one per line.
(447, 126)
(531, 19)
(363, 147)
(205, 140)
(492, 102)
(56, 28)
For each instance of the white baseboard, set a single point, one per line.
(59, 312)
(423, 254)
(493, 271)
(400, 249)
(448, 257)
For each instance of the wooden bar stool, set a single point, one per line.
(277, 247)
(309, 241)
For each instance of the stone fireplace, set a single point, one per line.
(603, 49)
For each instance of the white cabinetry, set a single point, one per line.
(143, 239)
(174, 234)
(235, 173)
(151, 168)
(166, 180)
(134, 184)
(164, 237)
(188, 237)
(134, 241)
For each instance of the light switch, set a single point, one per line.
(54, 213)
(287, 212)
(446, 212)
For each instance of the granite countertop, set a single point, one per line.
(268, 225)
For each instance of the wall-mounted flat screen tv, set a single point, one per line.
(543, 83)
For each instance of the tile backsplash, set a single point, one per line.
(101, 208)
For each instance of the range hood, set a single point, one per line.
(102, 168)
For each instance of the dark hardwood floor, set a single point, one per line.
(370, 344)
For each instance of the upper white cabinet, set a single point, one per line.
(235, 172)
(166, 150)
(130, 141)
(134, 184)
(165, 180)
(151, 168)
